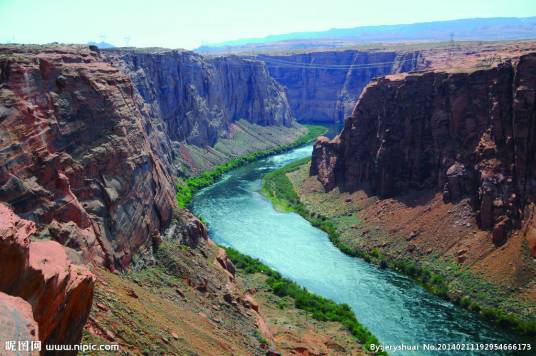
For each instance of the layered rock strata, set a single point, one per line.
(198, 98)
(466, 134)
(88, 148)
(323, 85)
(78, 152)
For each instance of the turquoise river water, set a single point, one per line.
(392, 306)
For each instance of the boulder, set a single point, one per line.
(59, 292)
(455, 187)
(14, 247)
(18, 325)
(225, 262)
(250, 302)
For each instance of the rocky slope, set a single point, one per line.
(191, 300)
(323, 86)
(465, 134)
(80, 163)
(437, 243)
(243, 138)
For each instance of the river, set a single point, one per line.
(395, 308)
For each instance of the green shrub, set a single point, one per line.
(186, 189)
(319, 307)
(376, 253)
(278, 188)
(260, 338)
(282, 303)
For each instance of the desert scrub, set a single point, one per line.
(187, 187)
(260, 338)
(278, 187)
(318, 307)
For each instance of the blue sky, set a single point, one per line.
(188, 24)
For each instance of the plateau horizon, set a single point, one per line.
(189, 25)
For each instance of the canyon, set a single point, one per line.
(464, 134)
(203, 103)
(322, 85)
(90, 145)
(92, 142)
(436, 167)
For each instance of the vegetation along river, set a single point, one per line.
(395, 308)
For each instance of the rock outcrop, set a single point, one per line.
(18, 324)
(323, 85)
(197, 98)
(91, 140)
(80, 153)
(46, 291)
(324, 159)
(466, 134)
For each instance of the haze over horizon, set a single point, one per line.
(186, 24)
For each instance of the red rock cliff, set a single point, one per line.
(49, 297)
(78, 152)
(465, 134)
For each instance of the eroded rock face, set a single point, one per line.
(39, 273)
(14, 246)
(198, 98)
(61, 293)
(80, 152)
(324, 158)
(17, 322)
(465, 134)
(88, 160)
(323, 86)
(190, 230)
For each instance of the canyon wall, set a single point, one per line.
(198, 98)
(89, 145)
(466, 134)
(78, 152)
(88, 152)
(323, 86)
(90, 140)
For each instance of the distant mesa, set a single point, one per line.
(101, 44)
(479, 29)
